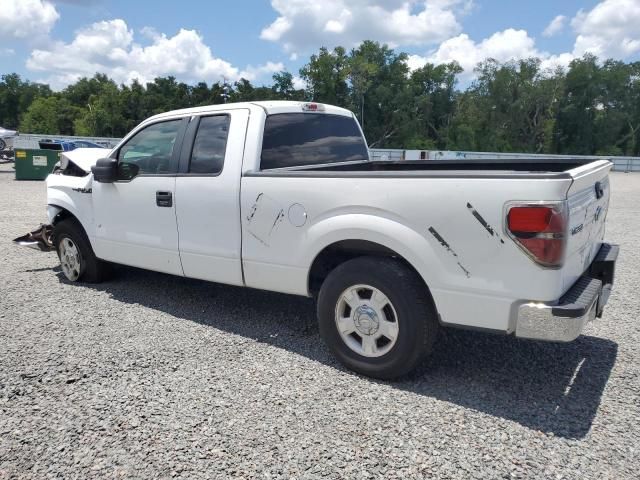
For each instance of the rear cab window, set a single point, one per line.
(209, 146)
(301, 139)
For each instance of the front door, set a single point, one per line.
(135, 217)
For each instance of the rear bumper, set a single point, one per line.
(564, 319)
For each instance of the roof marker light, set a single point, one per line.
(312, 107)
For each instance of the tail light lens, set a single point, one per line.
(540, 230)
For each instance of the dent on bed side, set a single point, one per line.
(264, 218)
(254, 207)
(277, 220)
(450, 250)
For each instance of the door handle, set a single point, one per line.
(164, 199)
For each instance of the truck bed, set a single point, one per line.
(422, 165)
(494, 167)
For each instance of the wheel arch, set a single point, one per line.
(336, 253)
(342, 237)
(57, 214)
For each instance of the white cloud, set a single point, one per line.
(555, 26)
(26, 18)
(415, 62)
(503, 46)
(303, 26)
(299, 83)
(262, 71)
(109, 47)
(610, 29)
(553, 62)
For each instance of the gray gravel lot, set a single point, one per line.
(153, 376)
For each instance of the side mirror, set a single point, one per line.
(105, 170)
(127, 171)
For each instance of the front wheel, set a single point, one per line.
(77, 259)
(377, 316)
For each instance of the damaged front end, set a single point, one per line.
(39, 239)
(68, 185)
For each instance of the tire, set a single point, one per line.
(3, 144)
(79, 263)
(397, 296)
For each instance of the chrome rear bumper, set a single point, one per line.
(564, 319)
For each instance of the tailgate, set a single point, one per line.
(588, 199)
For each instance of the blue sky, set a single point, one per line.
(60, 41)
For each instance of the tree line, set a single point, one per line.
(591, 107)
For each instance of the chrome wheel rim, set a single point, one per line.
(70, 259)
(366, 321)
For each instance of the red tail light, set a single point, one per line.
(540, 230)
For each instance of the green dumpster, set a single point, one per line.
(32, 164)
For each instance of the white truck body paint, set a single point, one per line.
(131, 229)
(234, 227)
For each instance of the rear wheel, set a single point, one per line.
(77, 259)
(377, 316)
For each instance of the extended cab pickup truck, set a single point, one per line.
(282, 196)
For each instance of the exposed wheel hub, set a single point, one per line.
(70, 259)
(366, 320)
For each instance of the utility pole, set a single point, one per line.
(94, 121)
(225, 90)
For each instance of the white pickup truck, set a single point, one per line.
(282, 196)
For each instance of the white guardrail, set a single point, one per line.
(620, 164)
(30, 140)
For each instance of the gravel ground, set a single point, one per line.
(153, 376)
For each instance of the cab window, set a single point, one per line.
(151, 149)
(299, 139)
(209, 146)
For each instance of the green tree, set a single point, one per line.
(617, 120)
(591, 108)
(283, 88)
(433, 105)
(379, 81)
(510, 107)
(49, 115)
(16, 96)
(575, 126)
(326, 75)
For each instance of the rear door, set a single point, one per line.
(208, 196)
(135, 217)
(588, 199)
